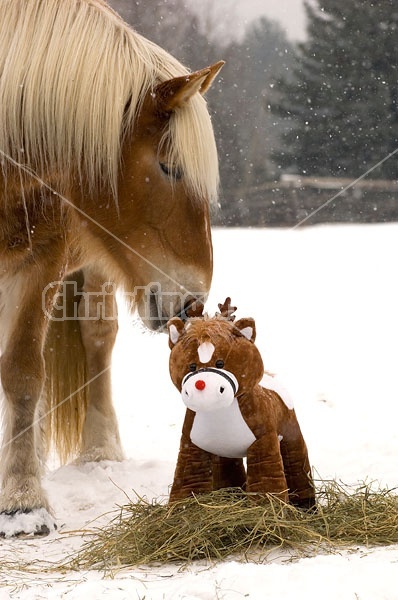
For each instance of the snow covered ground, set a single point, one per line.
(325, 301)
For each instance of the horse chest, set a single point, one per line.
(223, 432)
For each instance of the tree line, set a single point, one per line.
(327, 107)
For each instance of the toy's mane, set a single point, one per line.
(216, 329)
(73, 76)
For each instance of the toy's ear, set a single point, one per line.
(247, 328)
(176, 328)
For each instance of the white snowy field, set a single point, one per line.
(325, 302)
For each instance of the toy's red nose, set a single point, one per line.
(200, 384)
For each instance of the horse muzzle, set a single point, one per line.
(157, 306)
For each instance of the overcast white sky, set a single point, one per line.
(289, 13)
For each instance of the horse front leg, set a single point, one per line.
(98, 326)
(24, 507)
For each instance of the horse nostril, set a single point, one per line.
(200, 384)
(193, 307)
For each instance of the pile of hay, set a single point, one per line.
(228, 522)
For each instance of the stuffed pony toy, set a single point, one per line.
(233, 411)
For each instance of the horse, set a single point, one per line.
(108, 174)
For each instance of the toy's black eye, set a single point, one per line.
(171, 171)
(192, 367)
(219, 364)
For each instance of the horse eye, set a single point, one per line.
(219, 364)
(171, 171)
(192, 367)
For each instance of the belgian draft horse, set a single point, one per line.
(108, 167)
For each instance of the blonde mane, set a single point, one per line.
(68, 70)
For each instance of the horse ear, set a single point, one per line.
(174, 93)
(176, 328)
(214, 70)
(247, 328)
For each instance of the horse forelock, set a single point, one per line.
(193, 148)
(69, 69)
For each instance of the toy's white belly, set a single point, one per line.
(222, 432)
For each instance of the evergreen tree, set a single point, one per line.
(247, 133)
(341, 112)
(170, 24)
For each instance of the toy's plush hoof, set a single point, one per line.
(37, 522)
(307, 504)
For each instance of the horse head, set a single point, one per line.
(161, 218)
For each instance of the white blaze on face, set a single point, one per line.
(205, 352)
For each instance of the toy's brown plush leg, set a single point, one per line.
(265, 467)
(228, 472)
(297, 466)
(194, 470)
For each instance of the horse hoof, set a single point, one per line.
(26, 523)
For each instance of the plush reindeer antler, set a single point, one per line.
(194, 309)
(226, 310)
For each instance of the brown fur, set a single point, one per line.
(278, 467)
(77, 208)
